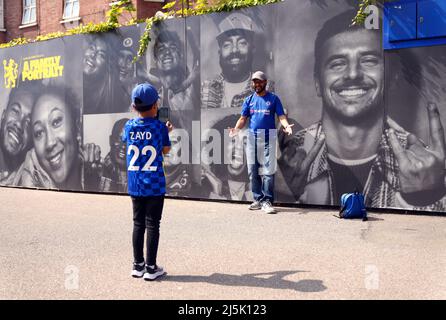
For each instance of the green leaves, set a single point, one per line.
(185, 8)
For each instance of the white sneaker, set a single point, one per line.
(268, 208)
(153, 273)
(256, 205)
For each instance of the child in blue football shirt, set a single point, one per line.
(147, 141)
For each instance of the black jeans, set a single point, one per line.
(147, 213)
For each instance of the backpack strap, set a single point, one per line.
(341, 212)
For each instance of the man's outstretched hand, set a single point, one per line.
(233, 132)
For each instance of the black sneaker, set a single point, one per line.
(153, 273)
(138, 270)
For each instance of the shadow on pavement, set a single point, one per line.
(274, 280)
(293, 210)
(374, 219)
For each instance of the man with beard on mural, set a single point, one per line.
(114, 167)
(15, 130)
(236, 53)
(355, 145)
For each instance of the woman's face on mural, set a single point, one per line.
(16, 124)
(95, 58)
(53, 135)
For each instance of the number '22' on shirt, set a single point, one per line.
(145, 138)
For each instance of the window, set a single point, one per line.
(71, 9)
(29, 11)
(2, 20)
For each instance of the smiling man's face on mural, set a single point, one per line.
(15, 124)
(168, 55)
(351, 74)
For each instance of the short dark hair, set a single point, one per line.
(140, 106)
(338, 24)
(30, 87)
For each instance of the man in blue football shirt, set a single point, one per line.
(260, 108)
(147, 141)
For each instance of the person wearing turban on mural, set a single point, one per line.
(15, 133)
(356, 145)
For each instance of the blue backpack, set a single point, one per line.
(352, 206)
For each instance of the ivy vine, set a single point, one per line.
(183, 8)
(174, 9)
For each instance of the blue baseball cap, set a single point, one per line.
(144, 95)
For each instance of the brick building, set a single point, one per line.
(30, 18)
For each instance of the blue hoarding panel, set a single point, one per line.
(402, 21)
(431, 18)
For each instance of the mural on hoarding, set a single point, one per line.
(364, 119)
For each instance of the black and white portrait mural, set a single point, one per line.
(105, 153)
(109, 73)
(364, 119)
(173, 66)
(41, 137)
(416, 110)
(348, 138)
(234, 45)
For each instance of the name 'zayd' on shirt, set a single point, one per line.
(140, 135)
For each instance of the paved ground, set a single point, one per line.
(56, 245)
